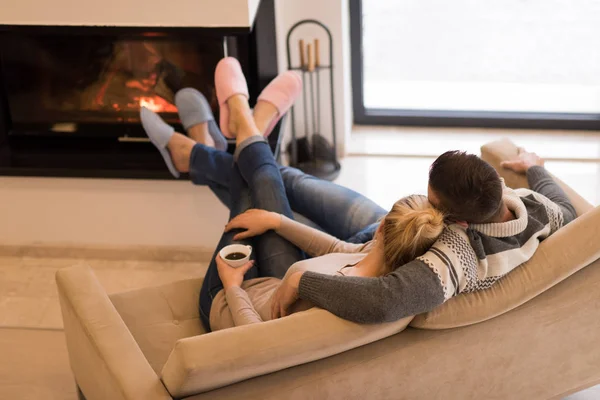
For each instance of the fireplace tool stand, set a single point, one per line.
(313, 153)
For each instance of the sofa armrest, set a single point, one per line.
(504, 150)
(105, 359)
(202, 363)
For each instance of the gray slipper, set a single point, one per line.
(193, 109)
(159, 133)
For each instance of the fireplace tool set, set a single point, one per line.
(313, 153)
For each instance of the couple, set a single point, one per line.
(465, 235)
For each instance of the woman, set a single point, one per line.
(254, 168)
(406, 232)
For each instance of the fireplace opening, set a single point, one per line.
(70, 95)
(76, 84)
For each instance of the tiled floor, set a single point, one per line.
(28, 297)
(29, 310)
(34, 363)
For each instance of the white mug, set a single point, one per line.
(236, 248)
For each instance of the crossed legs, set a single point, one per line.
(255, 168)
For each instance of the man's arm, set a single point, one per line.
(411, 289)
(541, 182)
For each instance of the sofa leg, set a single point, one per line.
(80, 395)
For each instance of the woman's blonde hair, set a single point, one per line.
(409, 230)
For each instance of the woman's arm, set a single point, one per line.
(312, 241)
(240, 306)
(239, 303)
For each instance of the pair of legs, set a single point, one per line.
(337, 210)
(255, 182)
(334, 209)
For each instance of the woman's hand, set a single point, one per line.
(231, 277)
(255, 222)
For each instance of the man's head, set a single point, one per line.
(465, 187)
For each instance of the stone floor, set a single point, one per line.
(34, 362)
(28, 297)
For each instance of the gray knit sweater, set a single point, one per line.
(461, 260)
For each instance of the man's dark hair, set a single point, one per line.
(468, 188)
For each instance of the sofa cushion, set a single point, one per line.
(562, 254)
(210, 361)
(158, 317)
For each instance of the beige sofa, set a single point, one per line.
(149, 344)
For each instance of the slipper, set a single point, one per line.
(159, 133)
(229, 81)
(282, 92)
(193, 109)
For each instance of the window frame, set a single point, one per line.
(448, 118)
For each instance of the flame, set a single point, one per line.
(157, 104)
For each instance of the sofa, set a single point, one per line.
(532, 336)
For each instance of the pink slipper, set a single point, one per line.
(282, 92)
(229, 81)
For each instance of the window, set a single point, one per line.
(508, 63)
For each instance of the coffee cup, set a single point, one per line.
(236, 255)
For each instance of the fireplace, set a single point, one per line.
(70, 96)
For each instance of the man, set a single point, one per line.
(494, 230)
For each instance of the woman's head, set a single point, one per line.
(409, 230)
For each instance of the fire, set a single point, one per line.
(157, 104)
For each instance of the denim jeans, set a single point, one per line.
(255, 181)
(335, 209)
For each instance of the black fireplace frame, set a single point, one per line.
(255, 47)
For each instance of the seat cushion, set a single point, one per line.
(562, 254)
(158, 317)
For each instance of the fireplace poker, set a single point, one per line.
(311, 73)
(303, 66)
(318, 72)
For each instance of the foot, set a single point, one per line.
(199, 133)
(241, 122)
(276, 99)
(180, 148)
(264, 114)
(229, 82)
(197, 118)
(175, 148)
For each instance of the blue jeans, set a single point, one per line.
(335, 209)
(255, 182)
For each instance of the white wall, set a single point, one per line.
(335, 15)
(195, 13)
